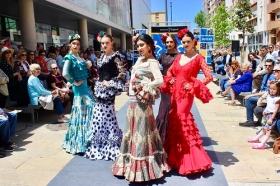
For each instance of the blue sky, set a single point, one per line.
(182, 10)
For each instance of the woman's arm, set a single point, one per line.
(207, 73)
(155, 69)
(66, 71)
(272, 117)
(39, 87)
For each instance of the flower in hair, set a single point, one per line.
(194, 41)
(135, 37)
(164, 37)
(100, 35)
(182, 32)
(74, 36)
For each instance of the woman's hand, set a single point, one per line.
(269, 121)
(19, 77)
(186, 86)
(54, 92)
(78, 83)
(105, 83)
(172, 81)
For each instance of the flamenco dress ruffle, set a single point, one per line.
(106, 136)
(142, 156)
(183, 144)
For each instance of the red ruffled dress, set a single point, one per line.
(183, 144)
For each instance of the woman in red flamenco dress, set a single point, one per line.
(183, 144)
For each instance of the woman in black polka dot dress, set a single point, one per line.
(106, 134)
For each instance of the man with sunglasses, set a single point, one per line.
(252, 99)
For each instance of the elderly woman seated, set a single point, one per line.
(36, 89)
(242, 84)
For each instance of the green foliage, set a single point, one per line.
(222, 25)
(200, 19)
(242, 13)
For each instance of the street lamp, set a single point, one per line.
(171, 11)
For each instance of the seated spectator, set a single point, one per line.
(270, 115)
(254, 60)
(17, 85)
(56, 82)
(4, 93)
(225, 79)
(22, 65)
(51, 60)
(36, 89)
(43, 64)
(59, 59)
(261, 70)
(92, 75)
(8, 122)
(242, 84)
(252, 99)
(235, 74)
(258, 111)
(30, 58)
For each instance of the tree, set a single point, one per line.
(200, 19)
(242, 13)
(222, 25)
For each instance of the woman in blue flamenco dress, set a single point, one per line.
(75, 71)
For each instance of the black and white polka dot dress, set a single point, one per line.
(106, 135)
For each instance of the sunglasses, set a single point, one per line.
(55, 68)
(8, 52)
(23, 55)
(31, 54)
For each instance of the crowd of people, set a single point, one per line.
(90, 82)
(258, 81)
(169, 141)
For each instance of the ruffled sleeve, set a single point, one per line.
(118, 82)
(146, 89)
(66, 72)
(207, 73)
(167, 87)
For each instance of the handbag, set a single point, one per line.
(276, 146)
(3, 84)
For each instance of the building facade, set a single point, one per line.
(273, 22)
(141, 14)
(259, 21)
(158, 17)
(51, 21)
(210, 6)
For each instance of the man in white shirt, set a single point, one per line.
(276, 53)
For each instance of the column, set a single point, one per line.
(83, 32)
(27, 24)
(123, 41)
(109, 31)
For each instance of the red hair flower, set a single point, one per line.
(182, 32)
(134, 38)
(194, 41)
(164, 37)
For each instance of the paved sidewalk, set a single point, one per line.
(39, 157)
(241, 164)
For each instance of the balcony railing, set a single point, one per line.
(273, 7)
(273, 25)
